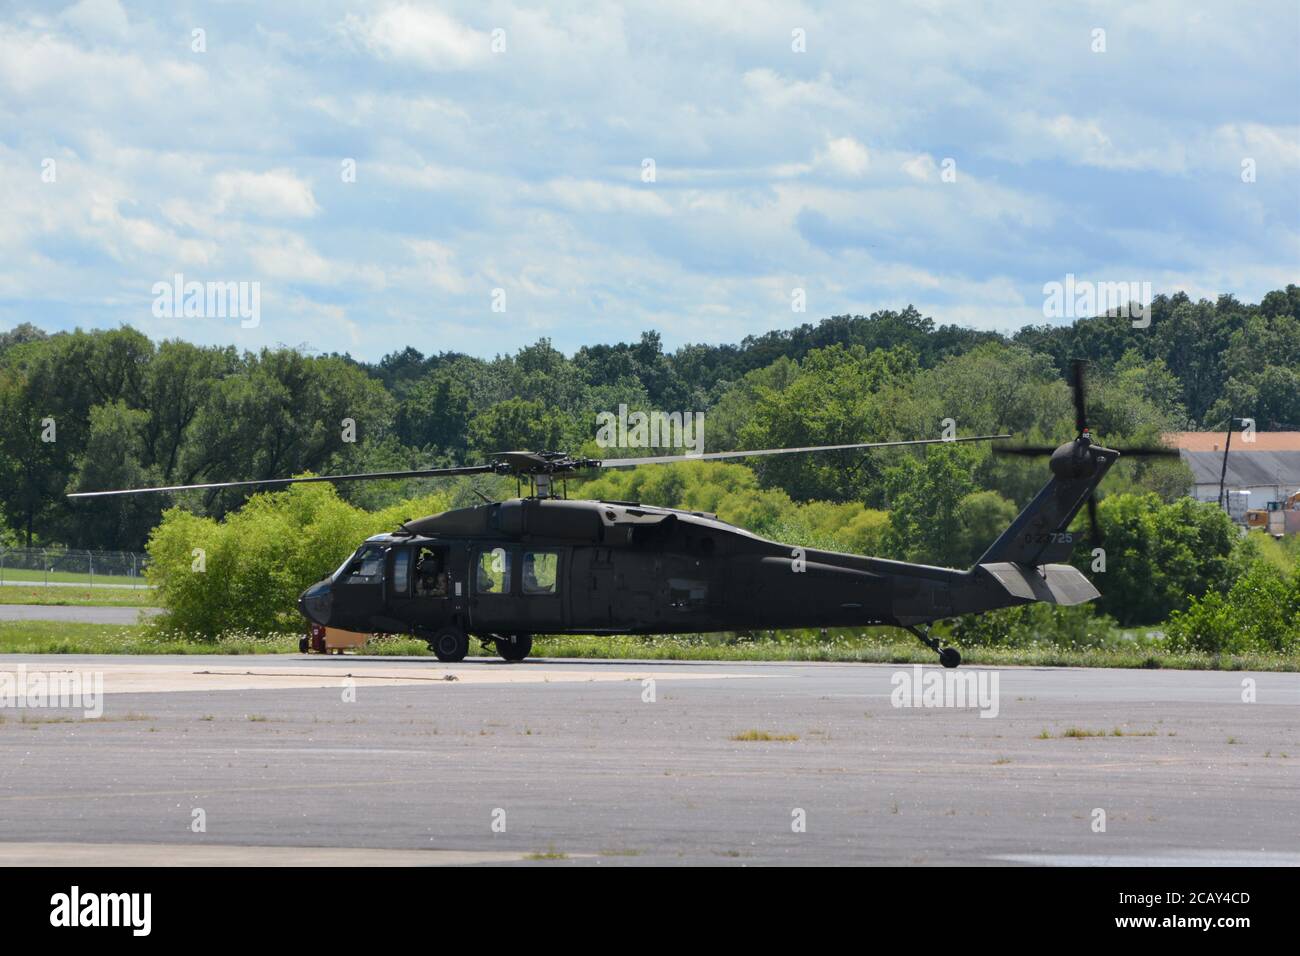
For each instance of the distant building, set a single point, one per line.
(1266, 469)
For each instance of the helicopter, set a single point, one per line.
(541, 563)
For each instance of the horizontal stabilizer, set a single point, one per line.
(1053, 583)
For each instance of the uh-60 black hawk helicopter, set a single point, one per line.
(543, 564)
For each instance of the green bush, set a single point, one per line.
(1077, 626)
(1158, 556)
(1260, 612)
(849, 528)
(245, 573)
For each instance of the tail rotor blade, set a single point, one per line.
(1080, 403)
(1093, 524)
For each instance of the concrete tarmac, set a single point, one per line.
(295, 758)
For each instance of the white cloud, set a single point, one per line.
(284, 256)
(591, 196)
(362, 109)
(421, 36)
(1275, 146)
(845, 156)
(277, 193)
(522, 170)
(775, 91)
(1122, 144)
(920, 167)
(97, 18)
(436, 266)
(46, 71)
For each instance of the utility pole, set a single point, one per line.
(1223, 472)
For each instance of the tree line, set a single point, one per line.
(89, 410)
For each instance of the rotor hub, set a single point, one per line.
(1074, 459)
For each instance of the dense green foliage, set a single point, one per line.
(1260, 612)
(1159, 555)
(1030, 624)
(129, 411)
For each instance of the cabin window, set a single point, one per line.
(492, 575)
(539, 571)
(402, 571)
(431, 572)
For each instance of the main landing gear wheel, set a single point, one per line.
(948, 656)
(515, 648)
(449, 644)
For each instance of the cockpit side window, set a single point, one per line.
(431, 572)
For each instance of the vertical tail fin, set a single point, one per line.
(1041, 533)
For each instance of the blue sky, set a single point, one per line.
(521, 168)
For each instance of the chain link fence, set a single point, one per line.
(72, 567)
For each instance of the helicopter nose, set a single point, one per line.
(316, 602)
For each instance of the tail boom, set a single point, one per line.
(1026, 563)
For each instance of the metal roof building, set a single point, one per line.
(1259, 471)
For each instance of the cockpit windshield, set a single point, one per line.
(366, 566)
(338, 572)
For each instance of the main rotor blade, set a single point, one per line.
(1149, 451)
(1138, 451)
(501, 464)
(1030, 451)
(279, 482)
(754, 453)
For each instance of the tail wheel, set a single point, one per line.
(449, 644)
(515, 648)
